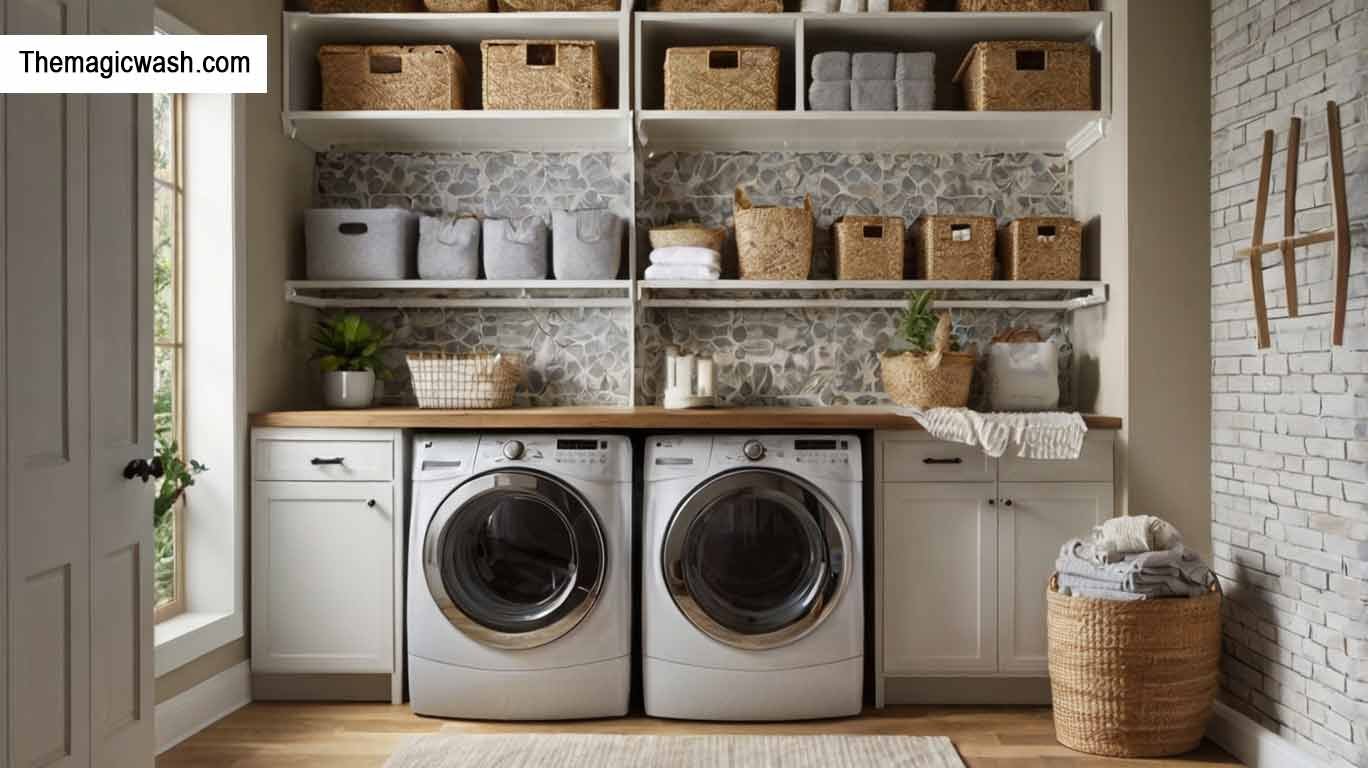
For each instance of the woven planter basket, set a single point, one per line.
(416, 77)
(728, 77)
(1021, 6)
(365, 6)
(773, 243)
(955, 247)
(869, 247)
(1042, 248)
(1133, 679)
(480, 380)
(718, 6)
(936, 379)
(689, 234)
(1027, 75)
(541, 6)
(915, 6)
(457, 6)
(542, 74)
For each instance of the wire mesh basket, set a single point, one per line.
(479, 380)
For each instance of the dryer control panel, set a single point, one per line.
(832, 456)
(604, 458)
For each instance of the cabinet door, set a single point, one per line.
(323, 577)
(1034, 521)
(939, 578)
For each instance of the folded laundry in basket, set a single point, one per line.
(686, 255)
(1174, 572)
(916, 66)
(1126, 535)
(831, 66)
(916, 95)
(873, 95)
(874, 65)
(829, 97)
(681, 272)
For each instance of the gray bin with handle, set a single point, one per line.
(586, 245)
(515, 250)
(449, 248)
(364, 244)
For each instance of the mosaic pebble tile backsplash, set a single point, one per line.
(806, 357)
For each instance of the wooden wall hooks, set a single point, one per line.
(1339, 234)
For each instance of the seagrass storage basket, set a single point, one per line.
(1021, 6)
(403, 77)
(940, 378)
(1042, 248)
(718, 6)
(457, 6)
(541, 6)
(542, 74)
(690, 234)
(1027, 75)
(728, 77)
(365, 6)
(1133, 679)
(773, 243)
(869, 247)
(479, 380)
(955, 247)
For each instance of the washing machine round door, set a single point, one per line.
(756, 558)
(515, 559)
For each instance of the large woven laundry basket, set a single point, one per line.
(1133, 679)
(479, 380)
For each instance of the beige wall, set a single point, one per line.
(280, 173)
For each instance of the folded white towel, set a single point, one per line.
(1121, 536)
(687, 256)
(682, 272)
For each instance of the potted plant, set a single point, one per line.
(348, 353)
(176, 475)
(932, 373)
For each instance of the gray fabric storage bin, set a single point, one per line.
(515, 250)
(586, 245)
(449, 248)
(366, 244)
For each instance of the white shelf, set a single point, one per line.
(462, 130)
(1072, 132)
(1064, 296)
(459, 294)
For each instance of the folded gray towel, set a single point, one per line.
(873, 66)
(916, 95)
(1174, 572)
(916, 66)
(873, 95)
(1074, 585)
(831, 66)
(829, 97)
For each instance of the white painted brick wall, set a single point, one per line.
(1290, 424)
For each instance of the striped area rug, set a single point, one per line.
(565, 750)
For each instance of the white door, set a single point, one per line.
(1034, 520)
(939, 578)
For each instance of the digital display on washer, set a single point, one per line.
(819, 445)
(577, 445)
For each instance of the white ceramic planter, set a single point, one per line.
(348, 389)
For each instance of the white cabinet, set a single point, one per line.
(327, 553)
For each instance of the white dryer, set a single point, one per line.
(519, 587)
(752, 591)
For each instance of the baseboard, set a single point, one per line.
(1253, 744)
(188, 713)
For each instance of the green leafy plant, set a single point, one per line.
(348, 343)
(177, 476)
(917, 326)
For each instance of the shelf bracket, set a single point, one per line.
(1086, 138)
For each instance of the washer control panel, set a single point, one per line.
(587, 456)
(836, 456)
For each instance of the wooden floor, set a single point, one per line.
(363, 735)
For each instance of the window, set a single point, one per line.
(168, 275)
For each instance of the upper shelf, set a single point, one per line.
(1063, 296)
(462, 130)
(440, 294)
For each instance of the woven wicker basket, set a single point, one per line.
(365, 6)
(480, 380)
(728, 77)
(1042, 248)
(419, 77)
(688, 233)
(1133, 679)
(542, 74)
(773, 243)
(718, 6)
(916, 6)
(457, 6)
(869, 247)
(541, 6)
(955, 247)
(1027, 75)
(936, 379)
(1021, 6)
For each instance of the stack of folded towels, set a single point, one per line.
(682, 262)
(1132, 558)
(872, 81)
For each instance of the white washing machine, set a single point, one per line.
(519, 587)
(752, 591)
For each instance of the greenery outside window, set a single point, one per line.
(168, 275)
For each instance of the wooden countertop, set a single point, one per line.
(643, 417)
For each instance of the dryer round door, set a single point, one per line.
(756, 558)
(515, 559)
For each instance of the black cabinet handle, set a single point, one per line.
(1007, 503)
(370, 503)
(318, 461)
(992, 502)
(955, 460)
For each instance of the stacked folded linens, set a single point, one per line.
(1132, 558)
(684, 262)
